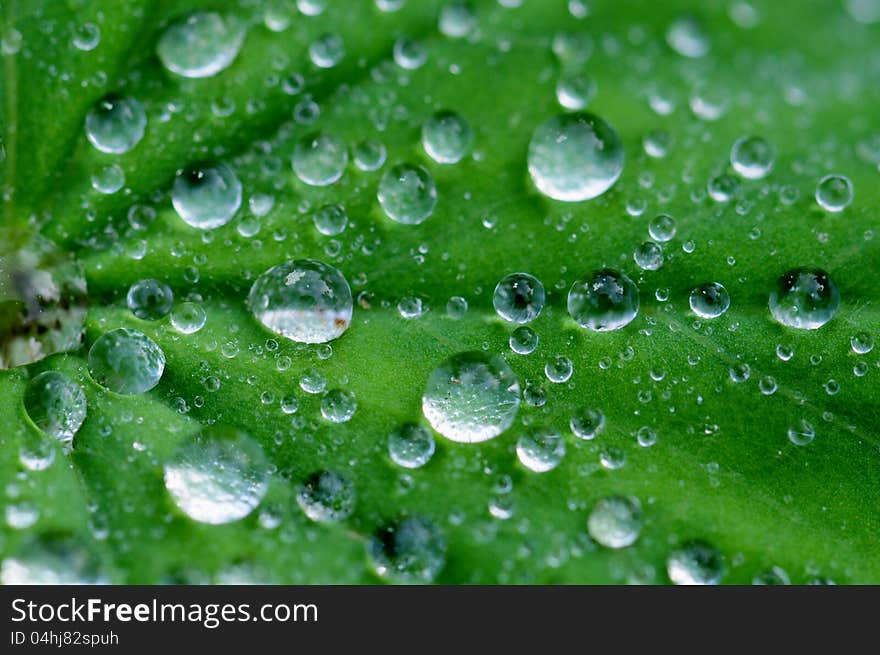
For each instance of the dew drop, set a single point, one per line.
(56, 405)
(407, 194)
(615, 521)
(446, 137)
(319, 159)
(603, 300)
(559, 369)
(206, 196)
(695, 563)
(519, 298)
(662, 228)
(150, 299)
(834, 193)
(304, 300)
(369, 155)
(338, 405)
(217, 476)
(126, 361)
(327, 51)
(862, 343)
(471, 397)
(411, 445)
(709, 300)
(687, 37)
(802, 433)
(116, 124)
(330, 220)
(188, 318)
(457, 19)
(575, 157)
(587, 423)
(648, 256)
(411, 550)
(523, 340)
(540, 450)
(327, 497)
(575, 90)
(752, 157)
(804, 298)
(200, 45)
(409, 54)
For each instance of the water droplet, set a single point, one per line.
(446, 137)
(767, 385)
(217, 476)
(51, 561)
(56, 404)
(802, 433)
(304, 300)
(188, 317)
(695, 563)
(616, 521)
(206, 196)
(116, 124)
(409, 53)
(575, 157)
(646, 436)
(411, 550)
(862, 343)
(10, 41)
(523, 340)
(319, 159)
(662, 228)
(410, 307)
(740, 372)
(86, 37)
(752, 157)
(572, 48)
(457, 19)
(774, 576)
(722, 188)
(150, 299)
(411, 445)
(687, 37)
(784, 352)
(338, 405)
(519, 298)
(327, 497)
(603, 300)
(575, 90)
(657, 143)
(709, 300)
(612, 458)
(540, 450)
(804, 298)
(126, 361)
(559, 369)
(312, 381)
(648, 256)
(330, 220)
(369, 155)
(587, 423)
(834, 193)
(109, 179)
(407, 194)
(327, 51)
(200, 45)
(456, 307)
(471, 397)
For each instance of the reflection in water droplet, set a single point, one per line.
(116, 124)
(695, 563)
(804, 298)
(217, 476)
(206, 196)
(327, 496)
(407, 194)
(56, 404)
(471, 397)
(616, 521)
(603, 300)
(410, 551)
(200, 45)
(126, 361)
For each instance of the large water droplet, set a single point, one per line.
(603, 300)
(471, 397)
(304, 300)
(327, 496)
(206, 195)
(319, 159)
(407, 194)
(804, 298)
(709, 300)
(834, 193)
(575, 157)
(695, 563)
(411, 550)
(752, 157)
(411, 445)
(200, 45)
(150, 299)
(56, 404)
(519, 298)
(116, 124)
(446, 137)
(126, 361)
(217, 476)
(540, 450)
(616, 521)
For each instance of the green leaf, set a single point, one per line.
(723, 469)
